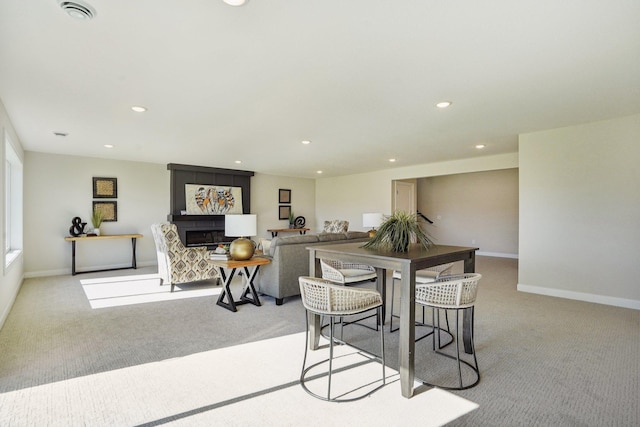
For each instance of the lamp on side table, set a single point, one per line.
(241, 226)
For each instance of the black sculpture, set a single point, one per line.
(77, 227)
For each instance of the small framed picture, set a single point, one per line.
(284, 196)
(284, 212)
(105, 188)
(109, 210)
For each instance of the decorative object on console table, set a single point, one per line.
(212, 199)
(109, 210)
(372, 220)
(292, 219)
(77, 226)
(241, 226)
(284, 196)
(284, 212)
(96, 220)
(299, 222)
(105, 188)
(397, 232)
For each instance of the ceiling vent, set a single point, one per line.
(77, 9)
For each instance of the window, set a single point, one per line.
(12, 203)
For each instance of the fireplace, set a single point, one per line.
(203, 230)
(204, 237)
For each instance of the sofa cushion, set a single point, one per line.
(357, 234)
(331, 237)
(336, 226)
(291, 240)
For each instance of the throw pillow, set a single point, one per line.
(336, 226)
(265, 245)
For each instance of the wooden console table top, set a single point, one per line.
(274, 231)
(108, 236)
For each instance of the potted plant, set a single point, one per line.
(398, 231)
(292, 220)
(96, 219)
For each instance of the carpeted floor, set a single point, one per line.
(544, 361)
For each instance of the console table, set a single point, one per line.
(73, 241)
(274, 231)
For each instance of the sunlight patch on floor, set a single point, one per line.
(226, 387)
(139, 289)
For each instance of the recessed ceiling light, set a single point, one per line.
(480, 146)
(306, 142)
(318, 172)
(392, 160)
(443, 104)
(238, 161)
(108, 146)
(235, 2)
(63, 134)
(139, 109)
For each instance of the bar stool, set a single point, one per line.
(321, 297)
(427, 275)
(453, 293)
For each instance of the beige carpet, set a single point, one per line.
(243, 385)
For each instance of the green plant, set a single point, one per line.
(96, 218)
(291, 217)
(398, 231)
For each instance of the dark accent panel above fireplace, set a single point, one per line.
(203, 224)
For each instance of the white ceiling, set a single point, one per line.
(359, 78)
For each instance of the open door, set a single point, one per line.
(404, 196)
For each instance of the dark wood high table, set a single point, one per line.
(407, 263)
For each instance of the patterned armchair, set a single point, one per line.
(177, 263)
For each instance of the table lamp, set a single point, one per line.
(241, 226)
(372, 220)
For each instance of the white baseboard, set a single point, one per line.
(497, 254)
(581, 296)
(67, 271)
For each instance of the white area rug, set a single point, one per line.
(254, 384)
(139, 289)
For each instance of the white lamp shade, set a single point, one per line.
(240, 225)
(371, 219)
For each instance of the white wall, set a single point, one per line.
(473, 209)
(11, 277)
(580, 212)
(348, 197)
(59, 187)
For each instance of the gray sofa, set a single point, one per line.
(290, 259)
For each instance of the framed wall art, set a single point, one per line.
(284, 196)
(109, 210)
(212, 199)
(105, 188)
(284, 212)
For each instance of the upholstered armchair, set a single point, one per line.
(177, 263)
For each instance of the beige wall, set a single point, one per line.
(264, 201)
(348, 197)
(579, 212)
(473, 209)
